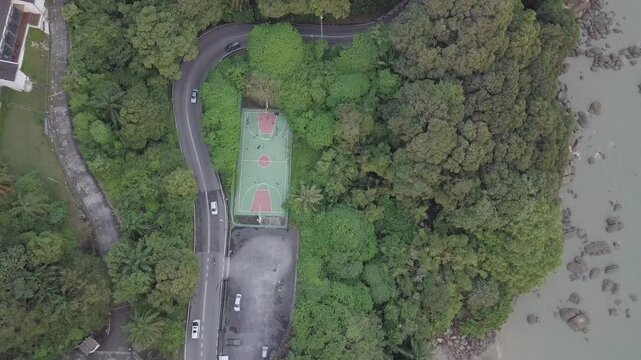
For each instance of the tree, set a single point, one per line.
(46, 248)
(275, 50)
(143, 117)
(437, 38)
(307, 198)
(144, 329)
(110, 105)
(6, 183)
(30, 205)
(162, 40)
(416, 351)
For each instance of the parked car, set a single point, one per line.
(195, 329)
(214, 207)
(194, 96)
(239, 297)
(264, 352)
(233, 342)
(232, 46)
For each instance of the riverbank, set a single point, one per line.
(607, 169)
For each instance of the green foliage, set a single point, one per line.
(437, 38)
(275, 49)
(42, 272)
(348, 87)
(221, 120)
(121, 63)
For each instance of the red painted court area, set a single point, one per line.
(266, 122)
(261, 201)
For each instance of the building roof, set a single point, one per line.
(8, 70)
(88, 346)
(5, 6)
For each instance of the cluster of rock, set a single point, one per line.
(453, 346)
(579, 269)
(598, 25)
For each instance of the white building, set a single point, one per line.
(16, 17)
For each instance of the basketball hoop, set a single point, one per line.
(260, 219)
(266, 105)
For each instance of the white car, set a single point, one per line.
(195, 329)
(264, 351)
(194, 96)
(239, 297)
(213, 206)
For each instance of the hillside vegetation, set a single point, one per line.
(427, 163)
(51, 294)
(433, 149)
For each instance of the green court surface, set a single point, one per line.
(262, 184)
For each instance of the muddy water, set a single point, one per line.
(616, 133)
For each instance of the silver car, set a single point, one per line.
(194, 96)
(239, 298)
(264, 351)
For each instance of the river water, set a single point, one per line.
(616, 133)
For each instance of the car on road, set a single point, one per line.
(194, 96)
(233, 342)
(232, 46)
(264, 352)
(239, 298)
(213, 206)
(195, 329)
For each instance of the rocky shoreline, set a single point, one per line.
(596, 25)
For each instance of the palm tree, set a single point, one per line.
(139, 259)
(110, 104)
(417, 351)
(31, 204)
(134, 224)
(307, 198)
(144, 329)
(6, 184)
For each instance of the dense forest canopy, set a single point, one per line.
(51, 294)
(427, 162)
(433, 148)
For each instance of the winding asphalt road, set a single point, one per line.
(211, 243)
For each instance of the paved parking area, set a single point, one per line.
(263, 270)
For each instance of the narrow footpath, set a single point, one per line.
(82, 184)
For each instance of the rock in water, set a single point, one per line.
(611, 268)
(609, 286)
(597, 248)
(617, 207)
(613, 224)
(575, 298)
(612, 312)
(583, 119)
(575, 318)
(595, 108)
(594, 273)
(532, 319)
(577, 266)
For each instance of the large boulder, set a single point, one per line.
(595, 108)
(575, 318)
(583, 119)
(577, 266)
(597, 248)
(613, 224)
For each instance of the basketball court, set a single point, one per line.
(263, 169)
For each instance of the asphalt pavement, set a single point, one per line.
(211, 231)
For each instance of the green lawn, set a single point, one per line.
(22, 143)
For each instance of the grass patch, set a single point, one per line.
(36, 57)
(22, 143)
